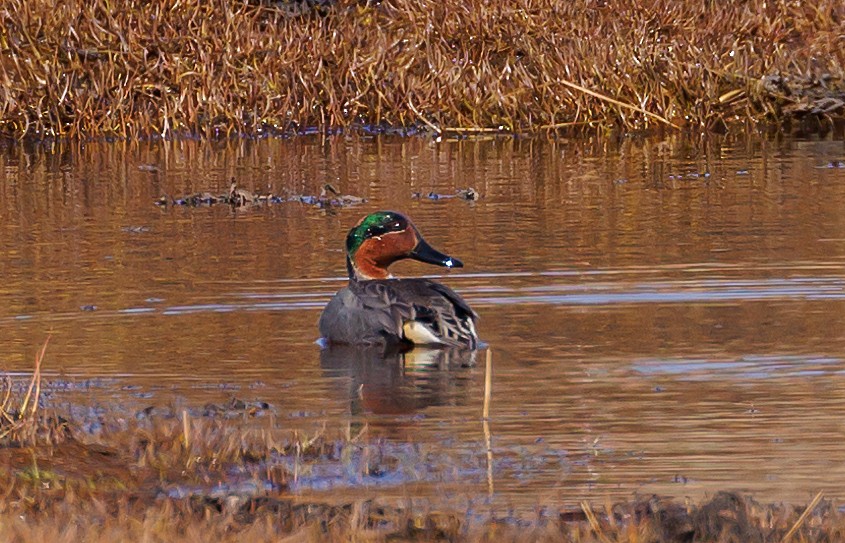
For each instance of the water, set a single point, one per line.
(664, 316)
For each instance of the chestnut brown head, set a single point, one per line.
(382, 238)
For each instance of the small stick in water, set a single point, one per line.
(485, 419)
(488, 384)
(186, 429)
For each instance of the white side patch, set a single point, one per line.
(419, 334)
(471, 326)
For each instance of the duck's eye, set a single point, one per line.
(376, 231)
(387, 227)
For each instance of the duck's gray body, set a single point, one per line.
(394, 311)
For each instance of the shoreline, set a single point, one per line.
(229, 470)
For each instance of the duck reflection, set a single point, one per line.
(392, 382)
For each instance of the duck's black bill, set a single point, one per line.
(428, 254)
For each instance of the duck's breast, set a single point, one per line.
(354, 317)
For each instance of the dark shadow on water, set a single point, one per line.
(400, 383)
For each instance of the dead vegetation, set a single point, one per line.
(229, 472)
(163, 489)
(139, 68)
(21, 420)
(329, 198)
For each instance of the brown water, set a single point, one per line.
(664, 316)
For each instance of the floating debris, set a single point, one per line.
(339, 200)
(430, 195)
(469, 194)
(205, 198)
(239, 197)
(834, 164)
(135, 229)
(235, 407)
(270, 198)
(689, 175)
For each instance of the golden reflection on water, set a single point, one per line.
(664, 316)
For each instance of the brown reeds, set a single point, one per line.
(136, 68)
(803, 516)
(205, 476)
(199, 477)
(19, 422)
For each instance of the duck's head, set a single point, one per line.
(382, 238)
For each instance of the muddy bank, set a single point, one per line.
(230, 471)
(221, 68)
(150, 484)
(115, 516)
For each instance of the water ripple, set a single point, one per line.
(659, 291)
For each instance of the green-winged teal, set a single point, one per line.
(376, 308)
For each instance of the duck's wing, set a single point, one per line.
(429, 313)
(462, 309)
(442, 312)
(419, 311)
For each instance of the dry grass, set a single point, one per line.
(139, 68)
(216, 478)
(42, 505)
(20, 419)
(226, 473)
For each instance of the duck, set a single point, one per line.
(376, 308)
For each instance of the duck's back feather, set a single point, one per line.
(382, 311)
